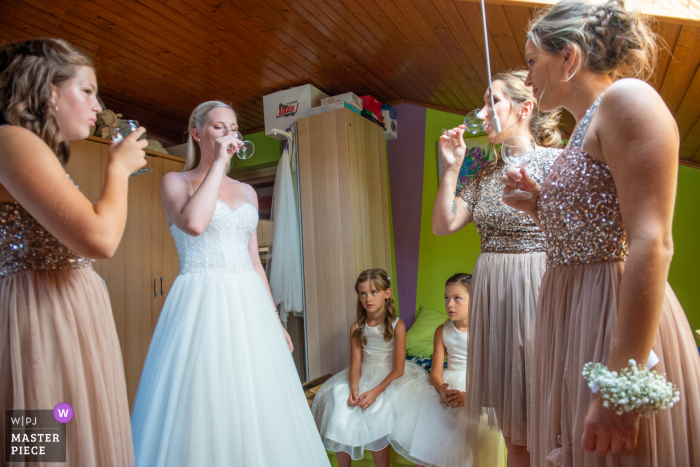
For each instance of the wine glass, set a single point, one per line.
(517, 151)
(121, 130)
(246, 151)
(473, 123)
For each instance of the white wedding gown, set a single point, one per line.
(219, 386)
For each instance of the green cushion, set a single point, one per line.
(419, 339)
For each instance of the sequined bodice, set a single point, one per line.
(26, 246)
(455, 342)
(502, 228)
(376, 350)
(223, 246)
(579, 208)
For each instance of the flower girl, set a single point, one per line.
(355, 409)
(434, 429)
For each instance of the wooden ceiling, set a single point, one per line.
(157, 60)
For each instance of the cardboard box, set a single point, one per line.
(389, 121)
(285, 107)
(374, 105)
(348, 97)
(334, 106)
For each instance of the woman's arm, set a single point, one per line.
(396, 372)
(33, 176)
(193, 213)
(355, 367)
(637, 137)
(450, 212)
(257, 264)
(438, 362)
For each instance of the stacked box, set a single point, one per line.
(389, 121)
(348, 97)
(285, 107)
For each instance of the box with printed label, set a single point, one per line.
(285, 107)
(389, 120)
(333, 106)
(348, 97)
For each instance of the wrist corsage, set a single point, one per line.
(634, 389)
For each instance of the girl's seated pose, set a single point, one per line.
(434, 429)
(355, 409)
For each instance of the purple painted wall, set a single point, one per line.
(406, 157)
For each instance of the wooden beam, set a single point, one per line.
(665, 11)
(695, 165)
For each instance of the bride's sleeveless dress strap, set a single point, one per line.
(189, 183)
(245, 188)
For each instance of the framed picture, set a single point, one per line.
(478, 154)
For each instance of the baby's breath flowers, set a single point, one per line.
(632, 390)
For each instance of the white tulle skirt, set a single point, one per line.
(353, 429)
(433, 434)
(219, 386)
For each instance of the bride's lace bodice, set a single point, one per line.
(223, 246)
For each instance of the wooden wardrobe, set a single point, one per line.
(345, 227)
(143, 269)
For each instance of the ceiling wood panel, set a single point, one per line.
(158, 59)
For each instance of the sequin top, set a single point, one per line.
(578, 207)
(502, 228)
(26, 246)
(223, 246)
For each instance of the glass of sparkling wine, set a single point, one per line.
(517, 151)
(246, 151)
(473, 123)
(121, 130)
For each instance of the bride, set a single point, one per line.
(219, 386)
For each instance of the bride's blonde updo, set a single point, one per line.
(610, 39)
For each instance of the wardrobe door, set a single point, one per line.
(165, 262)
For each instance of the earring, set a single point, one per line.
(56, 107)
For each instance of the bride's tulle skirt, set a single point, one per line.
(219, 386)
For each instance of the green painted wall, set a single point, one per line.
(440, 257)
(684, 275)
(267, 153)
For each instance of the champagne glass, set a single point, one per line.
(246, 151)
(473, 123)
(517, 151)
(121, 130)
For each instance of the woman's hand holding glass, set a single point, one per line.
(225, 147)
(129, 151)
(453, 147)
(517, 178)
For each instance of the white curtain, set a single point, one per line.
(284, 268)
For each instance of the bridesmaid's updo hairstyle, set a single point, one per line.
(198, 118)
(543, 125)
(381, 282)
(27, 71)
(463, 279)
(609, 39)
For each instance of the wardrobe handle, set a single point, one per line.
(161, 285)
(155, 283)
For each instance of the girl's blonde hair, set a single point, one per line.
(609, 39)
(381, 282)
(198, 118)
(27, 71)
(544, 126)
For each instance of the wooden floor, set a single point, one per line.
(312, 387)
